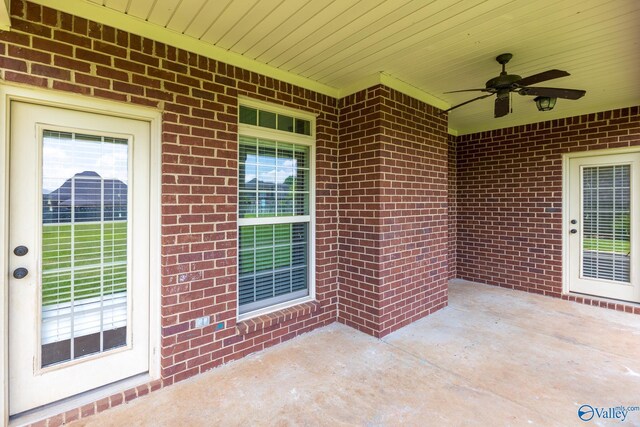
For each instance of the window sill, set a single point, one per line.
(268, 320)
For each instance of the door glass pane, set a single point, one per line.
(606, 213)
(84, 245)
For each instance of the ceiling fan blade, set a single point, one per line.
(467, 102)
(542, 77)
(468, 90)
(553, 92)
(501, 107)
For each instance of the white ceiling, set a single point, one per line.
(426, 47)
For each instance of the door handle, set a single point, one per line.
(20, 273)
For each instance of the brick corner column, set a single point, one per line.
(393, 191)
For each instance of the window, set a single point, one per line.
(267, 119)
(275, 209)
(85, 207)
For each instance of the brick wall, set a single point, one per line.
(414, 222)
(452, 200)
(391, 266)
(393, 210)
(198, 98)
(509, 197)
(359, 210)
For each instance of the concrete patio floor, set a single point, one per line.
(493, 357)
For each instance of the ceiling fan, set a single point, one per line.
(504, 84)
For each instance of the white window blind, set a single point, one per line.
(606, 209)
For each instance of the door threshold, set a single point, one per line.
(77, 401)
(601, 301)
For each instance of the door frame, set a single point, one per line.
(9, 93)
(566, 157)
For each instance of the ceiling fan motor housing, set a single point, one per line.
(503, 81)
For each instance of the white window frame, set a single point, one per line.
(292, 138)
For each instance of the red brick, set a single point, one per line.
(13, 64)
(102, 405)
(144, 59)
(71, 415)
(71, 64)
(15, 38)
(29, 54)
(48, 71)
(93, 81)
(128, 88)
(93, 56)
(56, 421)
(25, 78)
(129, 395)
(109, 49)
(111, 73)
(110, 95)
(108, 34)
(30, 27)
(145, 81)
(69, 87)
(116, 399)
(72, 39)
(142, 390)
(52, 46)
(144, 101)
(87, 410)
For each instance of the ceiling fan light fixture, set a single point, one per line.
(545, 103)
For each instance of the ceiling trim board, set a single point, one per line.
(143, 28)
(5, 17)
(412, 91)
(362, 84)
(587, 109)
(394, 83)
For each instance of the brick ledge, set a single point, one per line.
(611, 304)
(271, 319)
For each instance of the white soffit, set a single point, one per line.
(420, 47)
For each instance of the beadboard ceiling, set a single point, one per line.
(421, 47)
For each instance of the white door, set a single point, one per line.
(79, 252)
(604, 226)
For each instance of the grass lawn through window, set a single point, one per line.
(84, 260)
(607, 245)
